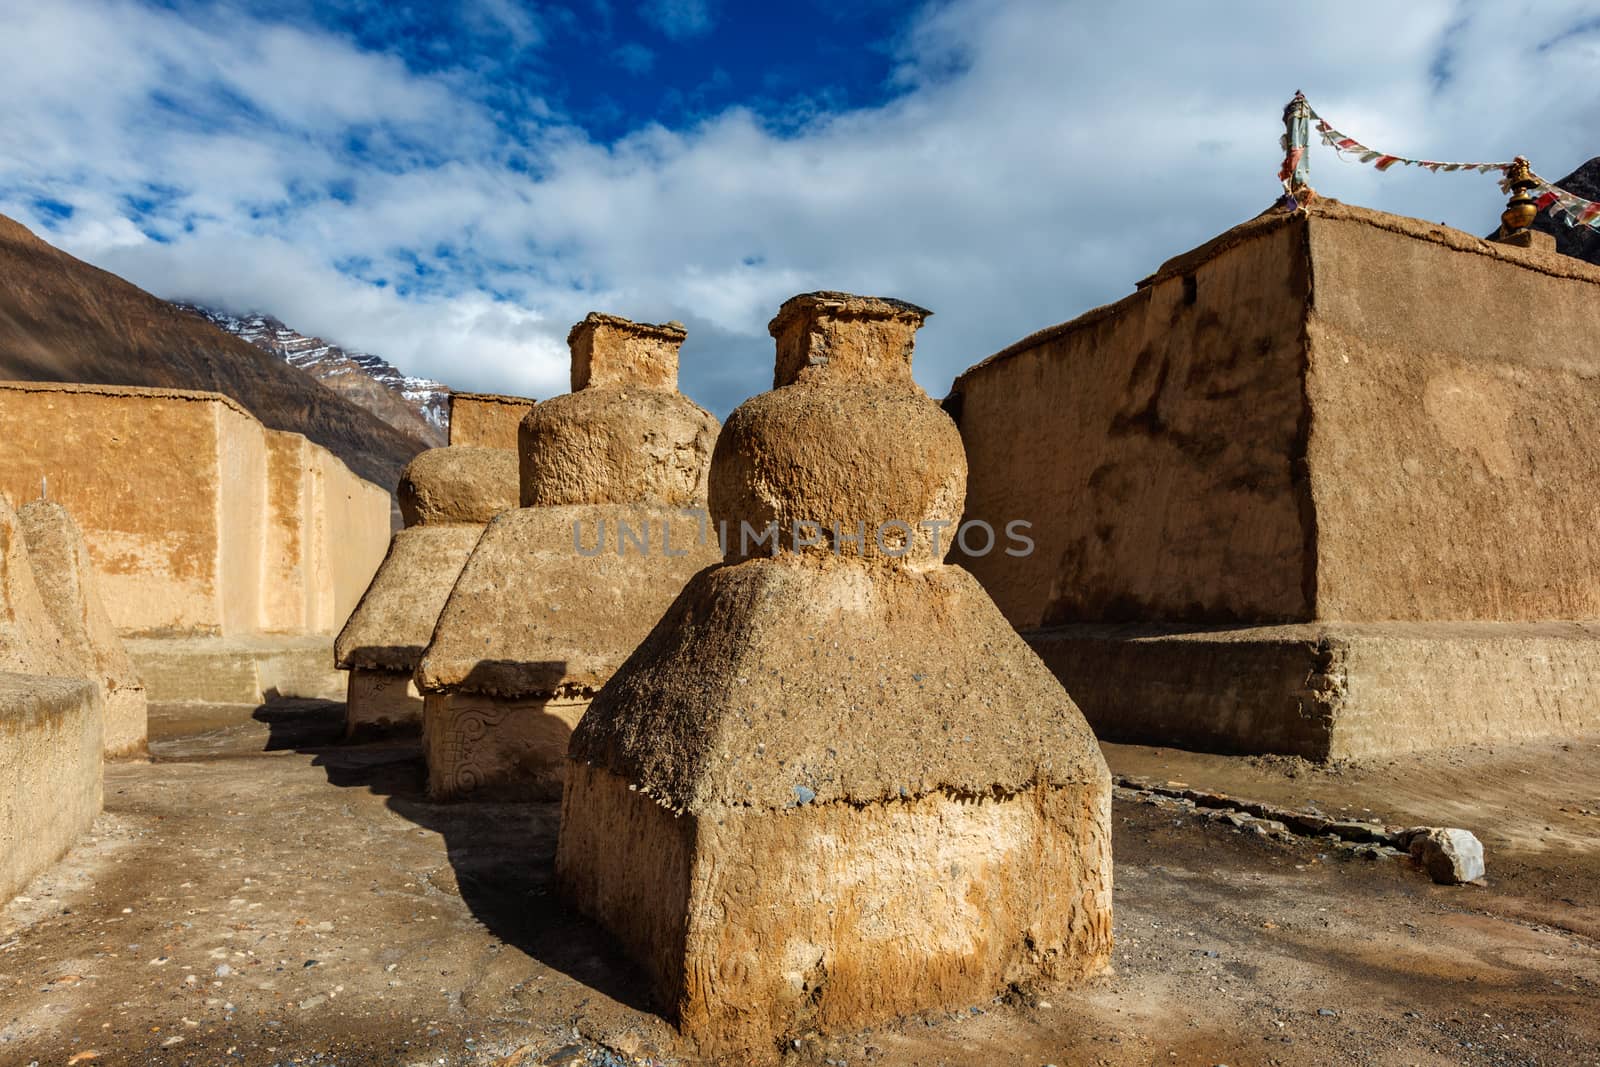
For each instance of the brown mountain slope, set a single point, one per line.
(63, 320)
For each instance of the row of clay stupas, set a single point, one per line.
(549, 603)
(834, 786)
(447, 496)
(809, 782)
(486, 625)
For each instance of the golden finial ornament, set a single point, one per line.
(1521, 210)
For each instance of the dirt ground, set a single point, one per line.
(260, 893)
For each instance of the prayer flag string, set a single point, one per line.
(1572, 209)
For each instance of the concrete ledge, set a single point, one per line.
(224, 670)
(50, 771)
(1329, 690)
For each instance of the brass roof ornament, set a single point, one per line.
(1521, 210)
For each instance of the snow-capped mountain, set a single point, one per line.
(417, 406)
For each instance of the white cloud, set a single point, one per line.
(1039, 159)
(678, 19)
(634, 58)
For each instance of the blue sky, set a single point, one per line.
(451, 186)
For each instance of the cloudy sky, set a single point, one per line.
(452, 187)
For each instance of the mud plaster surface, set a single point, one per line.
(616, 444)
(29, 640)
(184, 540)
(378, 702)
(50, 778)
(458, 484)
(488, 420)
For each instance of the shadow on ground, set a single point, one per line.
(502, 854)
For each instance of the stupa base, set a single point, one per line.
(756, 924)
(381, 703)
(481, 747)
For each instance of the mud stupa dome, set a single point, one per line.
(845, 450)
(459, 484)
(624, 435)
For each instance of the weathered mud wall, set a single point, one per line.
(1155, 446)
(487, 420)
(50, 771)
(1455, 391)
(138, 469)
(30, 643)
(187, 508)
(242, 518)
(354, 517)
(1405, 438)
(289, 553)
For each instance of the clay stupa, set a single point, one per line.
(29, 640)
(561, 590)
(834, 786)
(64, 576)
(447, 495)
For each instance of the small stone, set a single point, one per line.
(1327, 1013)
(313, 1002)
(1450, 856)
(223, 970)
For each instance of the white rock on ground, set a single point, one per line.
(1450, 856)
